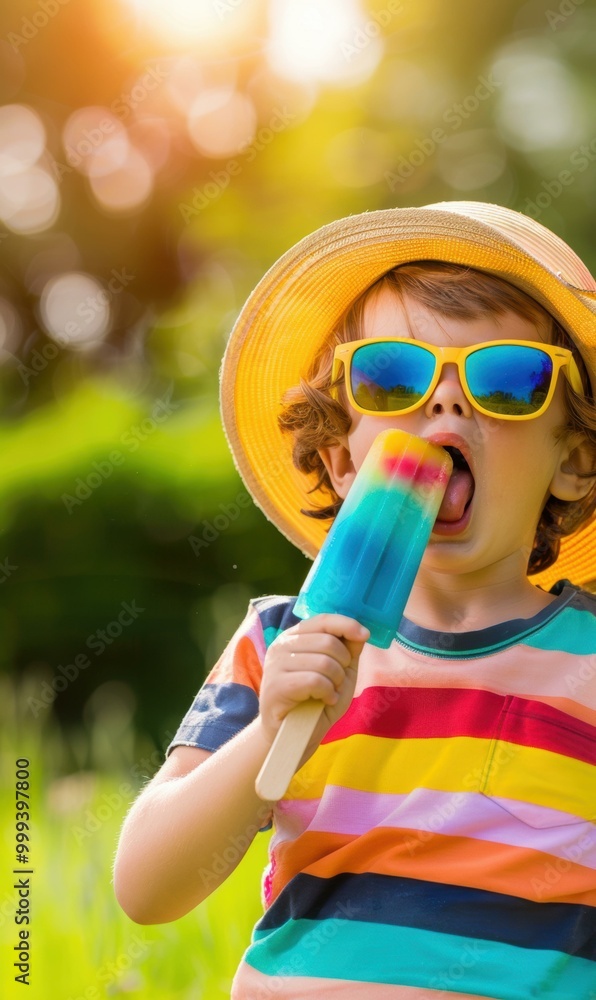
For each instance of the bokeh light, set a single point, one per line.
(221, 123)
(22, 138)
(75, 310)
(29, 200)
(186, 79)
(95, 141)
(29, 197)
(125, 188)
(538, 106)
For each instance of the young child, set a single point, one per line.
(439, 837)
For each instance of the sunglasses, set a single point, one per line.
(512, 380)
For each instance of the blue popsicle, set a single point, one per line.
(367, 564)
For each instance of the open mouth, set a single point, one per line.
(460, 489)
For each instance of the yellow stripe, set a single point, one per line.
(461, 763)
(542, 777)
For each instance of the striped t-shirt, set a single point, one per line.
(441, 841)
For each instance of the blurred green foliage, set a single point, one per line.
(82, 945)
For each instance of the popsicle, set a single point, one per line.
(366, 567)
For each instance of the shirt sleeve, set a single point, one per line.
(228, 699)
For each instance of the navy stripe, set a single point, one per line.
(218, 713)
(468, 645)
(449, 909)
(276, 612)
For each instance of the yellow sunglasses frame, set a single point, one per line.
(561, 357)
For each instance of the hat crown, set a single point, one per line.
(538, 241)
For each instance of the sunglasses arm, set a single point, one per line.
(336, 369)
(573, 376)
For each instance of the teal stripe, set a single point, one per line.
(572, 631)
(406, 956)
(271, 633)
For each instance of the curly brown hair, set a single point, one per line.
(316, 420)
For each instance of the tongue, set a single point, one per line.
(459, 491)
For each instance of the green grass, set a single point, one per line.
(82, 944)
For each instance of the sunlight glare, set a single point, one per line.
(323, 40)
(184, 22)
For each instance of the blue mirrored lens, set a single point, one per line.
(388, 377)
(509, 379)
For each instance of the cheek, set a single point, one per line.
(520, 464)
(361, 436)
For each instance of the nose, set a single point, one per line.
(448, 396)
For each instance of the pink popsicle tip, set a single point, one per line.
(414, 469)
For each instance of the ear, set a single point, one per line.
(338, 461)
(577, 456)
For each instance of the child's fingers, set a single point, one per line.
(339, 625)
(316, 662)
(355, 649)
(312, 684)
(322, 644)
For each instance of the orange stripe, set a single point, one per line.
(250, 984)
(502, 868)
(239, 664)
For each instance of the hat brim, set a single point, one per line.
(306, 292)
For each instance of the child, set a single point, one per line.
(439, 837)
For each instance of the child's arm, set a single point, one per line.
(197, 804)
(200, 803)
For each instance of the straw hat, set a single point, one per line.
(304, 294)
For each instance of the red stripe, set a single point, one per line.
(418, 713)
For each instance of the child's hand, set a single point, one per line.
(317, 658)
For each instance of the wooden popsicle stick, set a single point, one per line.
(287, 749)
